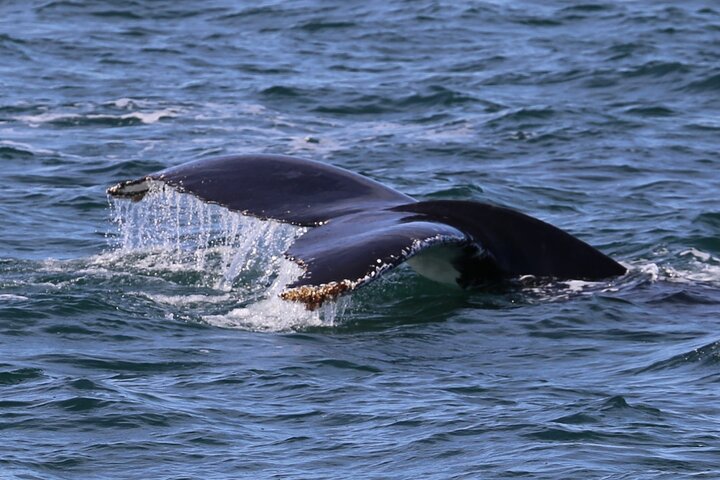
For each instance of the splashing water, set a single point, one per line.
(236, 262)
(231, 268)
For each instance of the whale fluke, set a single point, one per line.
(520, 244)
(352, 250)
(363, 228)
(274, 187)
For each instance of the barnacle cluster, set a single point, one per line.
(313, 296)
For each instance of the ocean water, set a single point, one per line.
(146, 340)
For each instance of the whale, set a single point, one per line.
(359, 229)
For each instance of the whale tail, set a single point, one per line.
(364, 229)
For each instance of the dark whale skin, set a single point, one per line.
(364, 228)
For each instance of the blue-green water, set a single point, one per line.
(129, 355)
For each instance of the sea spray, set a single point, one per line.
(234, 259)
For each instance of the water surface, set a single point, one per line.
(142, 349)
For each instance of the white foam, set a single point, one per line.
(151, 117)
(9, 297)
(185, 300)
(699, 255)
(577, 286)
(275, 315)
(703, 273)
(271, 313)
(650, 270)
(690, 266)
(144, 117)
(236, 260)
(697, 267)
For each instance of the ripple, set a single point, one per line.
(657, 69)
(654, 111)
(283, 91)
(316, 25)
(524, 115)
(577, 419)
(684, 297)
(707, 84)
(588, 8)
(81, 404)
(354, 103)
(13, 377)
(133, 420)
(435, 95)
(346, 365)
(705, 356)
(710, 219)
(118, 365)
(128, 356)
(85, 384)
(13, 153)
(119, 14)
(565, 435)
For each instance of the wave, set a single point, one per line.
(706, 355)
(20, 375)
(8, 151)
(316, 25)
(657, 69)
(350, 102)
(692, 266)
(707, 84)
(589, 421)
(90, 119)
